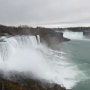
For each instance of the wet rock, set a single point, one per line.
(28, 84)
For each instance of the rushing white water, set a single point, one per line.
(73, 35)
(23, 54)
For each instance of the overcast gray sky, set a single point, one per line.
(44, 12)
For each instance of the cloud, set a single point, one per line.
(40, 12)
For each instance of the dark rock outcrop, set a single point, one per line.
(51, 40)
(18, 81)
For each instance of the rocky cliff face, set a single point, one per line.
(52, 39)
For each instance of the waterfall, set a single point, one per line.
(24, 54)
(73, 35)
(8, 45)
(38, 39)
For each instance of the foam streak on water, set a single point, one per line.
(23, 54)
